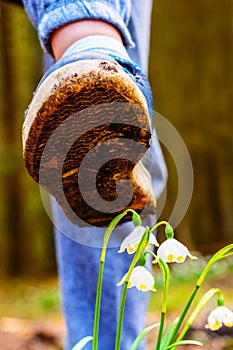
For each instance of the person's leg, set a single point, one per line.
(78, 269)
(75, 301)
(65, 36)
(78, 262)
(48, 15)
(139, 27)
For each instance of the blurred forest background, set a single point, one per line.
(191, 76)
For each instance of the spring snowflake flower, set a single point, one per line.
(172, 250)
(140, 278)
(219, 316)
(131, 242)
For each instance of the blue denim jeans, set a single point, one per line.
(78, 249)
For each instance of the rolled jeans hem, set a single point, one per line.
(58, 15)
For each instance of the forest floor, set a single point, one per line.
(30, 314)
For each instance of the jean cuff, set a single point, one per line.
(62, 13)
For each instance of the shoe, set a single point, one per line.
(85, 134)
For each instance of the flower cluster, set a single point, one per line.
(170, 251)
(138, 242)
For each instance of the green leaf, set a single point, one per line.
(184, 342)
(169, 333)
(142, 335)
(83, 342)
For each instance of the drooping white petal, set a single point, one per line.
(214, 322)
(140, 278)
(122, 281)
(227, 317)
(130, 243)
(153, 240)
(172, 250)
(219, 316)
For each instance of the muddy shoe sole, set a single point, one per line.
(84, 135)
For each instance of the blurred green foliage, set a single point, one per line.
(26, 236)
(192, 79)
(29, 298)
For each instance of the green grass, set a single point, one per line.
(29, 298)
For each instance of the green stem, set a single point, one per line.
(160, 335)
(159, 224)
(227, 255)
(182, 317)
(204, 300)
(142, 245)
(121, 316)
(97, 307)
(166, 277)
(107, 235)
(221, 254)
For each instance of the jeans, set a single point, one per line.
(78, 257)
(132, 18)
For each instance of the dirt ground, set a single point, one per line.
(220, 340)
(22, 334)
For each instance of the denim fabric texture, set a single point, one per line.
(77, 248)
(48, 15)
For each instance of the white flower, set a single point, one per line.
(172, 250)
(219, 316)
(131, 242)
(140, 278)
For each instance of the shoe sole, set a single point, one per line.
(86, 104)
